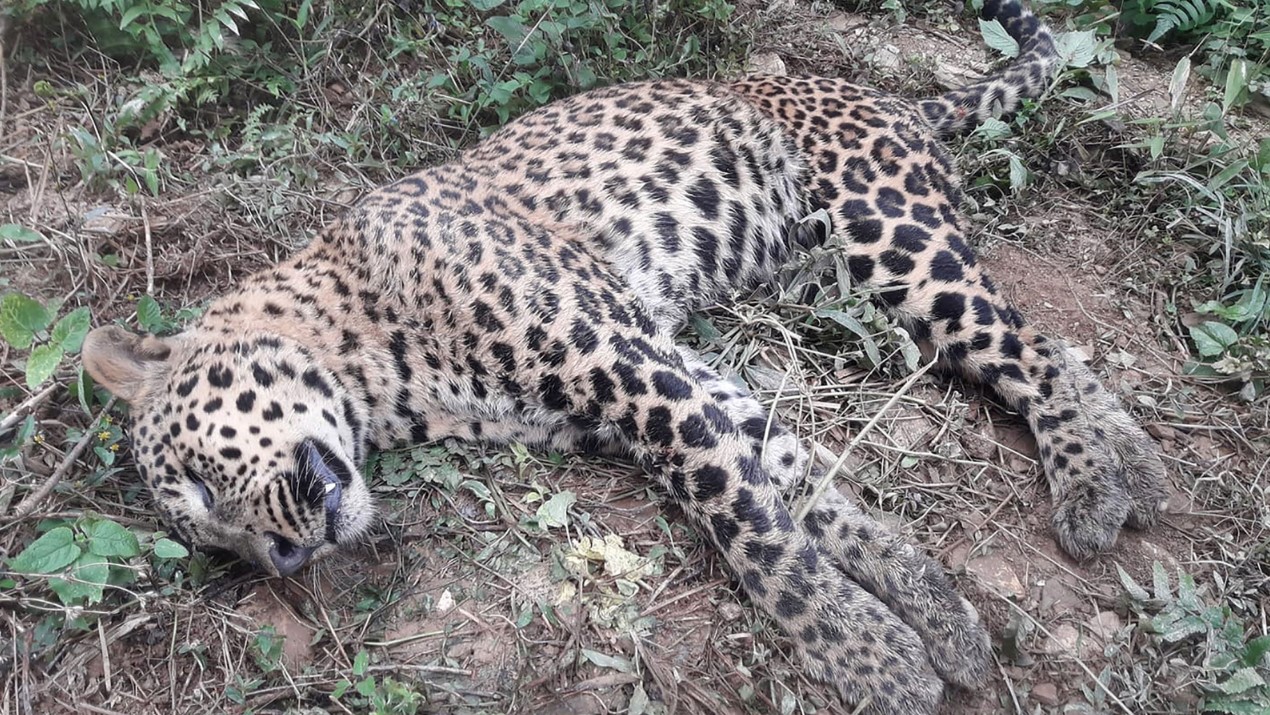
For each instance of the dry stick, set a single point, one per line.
(145, 219)
(29, 403)
(4, 74)
(28, 505)
(827, 479)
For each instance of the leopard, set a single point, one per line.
(532, 291)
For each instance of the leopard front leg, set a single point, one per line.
(913, 585)
(1103, 469)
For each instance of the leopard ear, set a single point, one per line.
(125, 363)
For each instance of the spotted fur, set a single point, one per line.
(530, 290)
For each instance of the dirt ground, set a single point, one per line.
(473, 604)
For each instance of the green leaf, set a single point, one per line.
(302, 15)
(131, 14)
(993, 128)
(512, 29)
(1018, 174)
(607, 661)
(21, 318)
(1177, 85)
(169, 549)
(1243, 679)
(85, 583)
(150, 315)
(1236, 81)
(71, 330)
(51, 552)
(360, 661)
(1160, 582)
(1256, 651)
(995, 36)
(19, 234)
(485, 5)
(1076, 48)
(107, 538)
(1135, 591)
(1212, 338)
(555, 511)
(42, 363)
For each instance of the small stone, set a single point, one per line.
(1045, 694)
(887, 57)
(841, 22)
(993, 572)
(1105, 626)
(445, 602)
(730, 611)
(1057, 597)
(1063, 640)
(768, 63)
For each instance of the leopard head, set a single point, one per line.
(245, 441)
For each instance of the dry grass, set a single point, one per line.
(466, 602)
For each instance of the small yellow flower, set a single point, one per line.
(38, 439)
(103, 435)
(114, 448)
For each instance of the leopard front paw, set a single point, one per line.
(1104, 470)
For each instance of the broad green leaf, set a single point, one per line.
(1076, 48)
(1018, 174)
(486, 5)
(149, 314)
(302, 15)
(107, 538)
(993, 128)
(1177, 85)
(169, 549)
(704, 328)
(1256, 651)
(19, 234)
(510, 28)
(555, 511)
(995, 36)
(1160, 582)
(360, 662)
(1236, 82)
(1135, 591)
(1243, 679)
(85, 582)
(1212, 338)
(50, 553)
(607, 661)
(21, 318)
(69, 332)
(42, 363)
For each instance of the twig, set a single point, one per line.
(4, 75)
(827, 479)
(29, 403)
(145, 220)
(34, 498)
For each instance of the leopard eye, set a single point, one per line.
(203, 491)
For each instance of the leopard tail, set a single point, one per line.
(1004, 90)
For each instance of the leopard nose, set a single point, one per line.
(287, 556)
